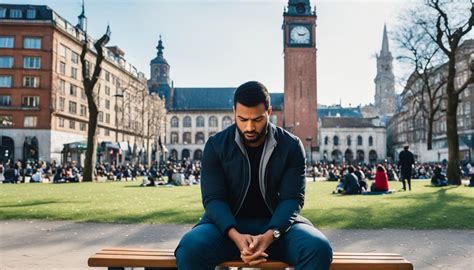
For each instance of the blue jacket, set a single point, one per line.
(225, 178)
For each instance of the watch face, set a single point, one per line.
(300, 35)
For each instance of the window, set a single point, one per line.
(62, 86)
(31, 81)
(212, 121)
(107, 76)
(107, 118)
(72, 107)
(62, 50)
(83, 94)
(199, 138)
(82, 126)
(6, 42)
(30, 101)
(15, 13)
(73, 73)
(335, 140)
(349, 140)
(74, 57)
(107, 90)
(5, 100)
(83, 110)
(187, 137)
(72, 124)
(6, 61)
(61, 122)
(101, 117)
(32, 62)
(187, 121)
(3, 12)
(5, 81)
(73, 90)
(62, 68)
(61, 103)
(326, 140)
(359, 140)
(226, 121)
(200, 121)
(31, 14)
(30, 121)
(6, 121)
(32, 43)
(106, 132)
(174, 137)
(371, 141)
(174, 121)
(107, 104)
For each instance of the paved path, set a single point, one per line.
(67, 245)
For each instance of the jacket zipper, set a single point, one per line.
(248, 184)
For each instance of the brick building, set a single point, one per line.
(43, 107)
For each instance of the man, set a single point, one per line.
(351, 182)
(406, 161)
(253, 185)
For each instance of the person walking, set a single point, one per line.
(253, 186)
(405, 162)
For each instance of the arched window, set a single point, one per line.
(200, 121)
(371, 141)
(174, 137)
(212, 121)
(185, 154)
(174, 154)
(226, 121)
(326, 140)
(372, 156)
(187, 137)
(349, 140)
(359, 140)
(199, 139)
(336, 140)
(197, 154)
(187, 121)
(174, 121)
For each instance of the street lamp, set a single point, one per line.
(310, 140)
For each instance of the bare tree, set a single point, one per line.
(89, 82)
(446, 23)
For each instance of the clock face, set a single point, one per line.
(300, 35)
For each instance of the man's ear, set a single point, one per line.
(270, 110)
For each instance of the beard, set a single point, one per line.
(258, 134)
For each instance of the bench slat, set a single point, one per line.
(135, 257)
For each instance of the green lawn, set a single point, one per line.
(424, 208)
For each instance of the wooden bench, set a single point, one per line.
(118, 258)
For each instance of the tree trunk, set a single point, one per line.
(91, 155)
(453, 174)
(429, 139)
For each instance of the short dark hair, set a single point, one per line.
(252, 93)
(350, 169)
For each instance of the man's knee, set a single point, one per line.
(321, 248)
(190, 246)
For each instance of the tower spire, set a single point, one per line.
(385, 50)
(160, 48)
(82, 24)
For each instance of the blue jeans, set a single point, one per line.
(204, 247)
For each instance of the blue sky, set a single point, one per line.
(223, 43)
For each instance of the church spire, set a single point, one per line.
(160, 48)
(82, 24)
(385, 50)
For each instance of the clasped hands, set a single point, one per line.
(252, 247)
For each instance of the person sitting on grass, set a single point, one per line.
(381, 180)
(439, 178)
(363, 183)
(351, 183)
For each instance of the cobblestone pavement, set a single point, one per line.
(67, 245)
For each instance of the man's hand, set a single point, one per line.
(256, 251)
(242, 241)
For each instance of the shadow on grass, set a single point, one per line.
(30, 203)
(437, 210)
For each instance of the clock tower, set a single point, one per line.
(299, 43)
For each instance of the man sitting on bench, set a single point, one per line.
(253, 185)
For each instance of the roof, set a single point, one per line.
(206, 98)
(339, 111)
(347, 122)
(42, 12)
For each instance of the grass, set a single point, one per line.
(425, 207)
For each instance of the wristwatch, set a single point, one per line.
(276, 234)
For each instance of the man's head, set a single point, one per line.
(406, 146)
(251, 111)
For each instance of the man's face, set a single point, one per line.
(252, 123)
